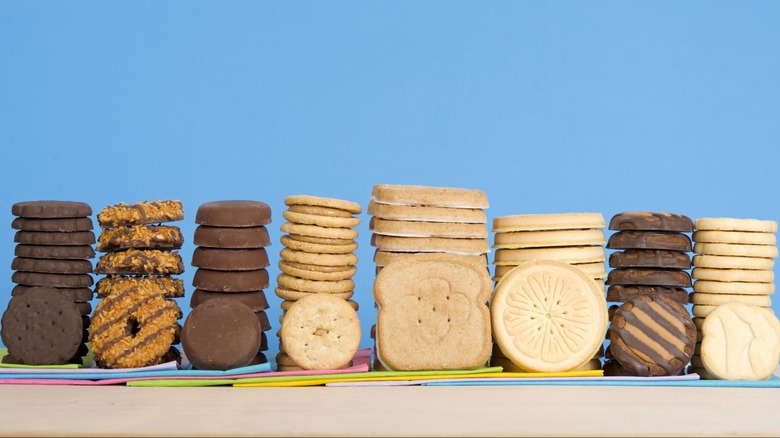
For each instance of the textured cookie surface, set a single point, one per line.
(230, 281)
(568, 254)
(649, 277)
(621, 293)
(76, 252)
(649, 258)
(164, 285)
(53, 225)
(47, 238)
(140, 237)
(545, 239)
(428, 229)
(146, 212)
(651, 221)
(316, 201)
(144, 261)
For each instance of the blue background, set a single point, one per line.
(546, 106)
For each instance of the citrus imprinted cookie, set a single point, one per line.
(321, 332)
(429, 196)
(741, 342)
(431, 244)
(427, 214)
(731, 224)
(322, 221)
(723, 287)
(733, 275)
(428, 229)
(548, 316)
(317, 201)
(699, 298)
(735, 237)
(541, 222)
(731, 249)
(568, 254)
(545, 239)
(729, 262)
(432, 313)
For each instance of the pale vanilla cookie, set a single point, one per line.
(317, 201)
(430, 244)
(702, 310)
(314, 272)
(741, 342)
(546, 239)
(428, 229)
(320, 240)
(548, 316)
(427, 214)
(295, 295)
(593, 270)
(320, 221)
(543, 222)
(384, 258)
(314, 286)
(319, 211)
(568, 254)
(735, 237)
(429, 196)
(308, 258)
(286, 304)
(316, 247)
(729, 224)
(734, 288)
(730, 262)
(321, 332)
(733, 275)
(317, 231)
(432, 314)
(720, 299)
(730, 249)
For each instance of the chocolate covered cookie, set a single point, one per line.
(254, 300)
(620, 293)
(164, 285)
(140, 237)
(76, 294)
(79, 252)
(51, 209)
(230, 259)
(650, 258)
(241, 213)
(60, 225)
(649, 277)
(46, 238)
(133, 261)
(651, 221)
(236, 238)
(650, 240)
(51, 280)
(227, 281)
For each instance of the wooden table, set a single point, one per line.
(493, 411)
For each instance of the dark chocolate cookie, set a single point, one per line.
(236, 238)
(230, 259)
(619, 293)
(651, 221)
(230, 281)
(650, 258)
(649, 277)
(262, 318)
(44, 238)
(77, 295)
(52, 266)
(650, 240)
(255, 300)
(64, 225)
(51, 209)
(233, 214)
(52, 280)
(79, 252)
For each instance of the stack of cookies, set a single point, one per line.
(734, 263)
(136, 323)
(231, 238)
(573, 238)
(318, 257)
(53, 254)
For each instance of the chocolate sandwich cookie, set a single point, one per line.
(650, 240)
(42, 327)
(221, 334)
(262, 318)
(46, 238)
(165, 285)
(236, 238)
(134, 261)
(254, 300)
(649, 277)
(140, 213)
(82, 294)
(230, 259)
(140, 237)
(51, 209)
(620, 293)
(651, 335)
(52, 280)
(230, 281)
(233, 214)
(51, 266)
(651, 221)
(64, 225)
(79, 252)
(650, 258)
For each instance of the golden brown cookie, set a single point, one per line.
(139, 262)
(140, 237)
(140, 213)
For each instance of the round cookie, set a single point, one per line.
(231, 238)
(314, 286)
(51, 266)
(321, 332)
(317, 231)
(431, 244)
(427, 214)
(730, 249)
(650, 258)
(262, 318)
(80, 295)
(319, 210)
(230, 281)
(320, 240)
(295, 295)
(428, 229)
(317, 201)
(140, 237)
(649, 277)
(79, 252)
(735, 237)
(429, 196)
(384, 258)
(221, 334)
(42, 327)
(568, 254)
(234, 214)
(140, 213)
(320, 221)
(230, 259)
(51, 209)
(164, 285)
(314, 272)
(60, 225)
(727, 262)
(702, 310)
(60, 239)
(52, 280)
(254, 300)
(286, 304)
(139, 262)
(733, 275)
(672, 241)
(651, 221)
(542, 222)
(593, 270)
(306, 258)
(620, 293)
(731, 224)
(699, 298)
(317, 248)
(546, 239)
(718, 287)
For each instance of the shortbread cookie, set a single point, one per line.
(320, 240)
(431, 244)
(230, 259)
(429, 196)
(428, 229)
(321, 221)
(741, 342)
(620, 293)
(317, 248)
(62, 239)
(254, 300)
(319, 211)
(735, 275)
(339, 204)
(321, 332)
(140, 213)
(314, 272)
(651, 335)
(727, 262)
(730, 224)
(317, 231)
(52, 266)
(230, 281)
(699, 298)
(702, 310)
(51, 209)
(134, 261)
(568, 254)
(61, 225)
(231, 238)
(650, 240)
(294, 295)
(51, 280)
(78, 252)
(314, 286)
(651, 221)
(649, 277)
(290, 255)
(735, 237)
(719, 287)
(548, 316)
(164, 285)
(542, 222)
(287, 304)
(592, 270)
(427, 214)
(432, 313)
(730, 249)
(234, 214)
(140, 237)
(546, 239)
(384, 258)
(649, 258)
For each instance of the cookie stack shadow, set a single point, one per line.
(136, 322)
(317, 258)
(228, 324)
(47, 319)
